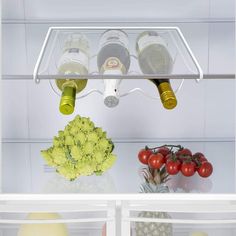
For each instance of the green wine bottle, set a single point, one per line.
(74, 61)
(154, 58)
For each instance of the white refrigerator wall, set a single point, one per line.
(117, 10)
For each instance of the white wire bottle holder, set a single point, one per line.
(137, 89)
(94, 73)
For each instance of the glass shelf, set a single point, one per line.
(32, 175)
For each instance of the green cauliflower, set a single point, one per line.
(80, 149)
(108, 163)
(68, 170)
(80, 138)
(76, 153)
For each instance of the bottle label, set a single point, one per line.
(76, 42)
(74, 55)
(148, 40)
(113, 66)
(114, 36)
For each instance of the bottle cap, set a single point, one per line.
(167, 95)
(111, 92)
(67, 102)
(111, 101)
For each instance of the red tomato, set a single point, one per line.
(205, 170)
(156, 161)
(168, 157)
(182, 158)
(164, 151)
(188, 168)
(173, 167)
(144, 155)
(200, 157)
(184, 152)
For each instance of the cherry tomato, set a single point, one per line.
(200, 157)
(182, 158)
(168, 157)
(173, 167)
(184, 152)
(164, 151)
(188, 168)
(144, 155)
(205, 170)
(156, 161)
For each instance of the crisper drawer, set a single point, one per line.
(57, 219)
(178, 218)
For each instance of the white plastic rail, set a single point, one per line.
(55, 221)
(181, 221)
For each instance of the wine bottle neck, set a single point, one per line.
(157, 82)
(167, 94)
(67, 103)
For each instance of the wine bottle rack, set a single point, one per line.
(185, 64)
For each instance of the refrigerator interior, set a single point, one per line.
(203, 121)
(91, 218)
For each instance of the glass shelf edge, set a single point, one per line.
(131, 140)
(180, 76)
(118, 21)
(120, 197)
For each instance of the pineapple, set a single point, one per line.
(154, 183)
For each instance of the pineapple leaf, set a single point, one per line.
(163, 170)
(164, 176)
(166, 180)
(153, 188)
(157, 179)
(146, 188)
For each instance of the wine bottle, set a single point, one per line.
(154, 58)
(74, 61)
(113, 59)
